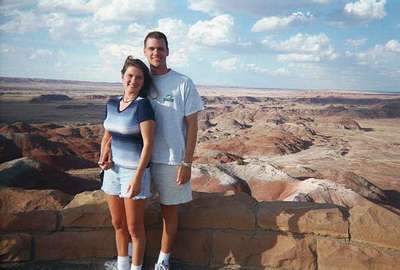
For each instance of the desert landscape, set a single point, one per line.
(316, 174)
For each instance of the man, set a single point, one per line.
(176, 107)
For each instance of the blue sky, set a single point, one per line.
(301, 44)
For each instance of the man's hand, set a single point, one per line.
(183, 175)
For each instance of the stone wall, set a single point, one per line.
(215, 232)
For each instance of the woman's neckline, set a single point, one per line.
(130, 103)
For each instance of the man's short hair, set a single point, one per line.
(156, 35)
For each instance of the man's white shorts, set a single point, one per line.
(164, 180)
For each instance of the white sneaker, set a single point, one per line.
(111, 265)
(161, 266)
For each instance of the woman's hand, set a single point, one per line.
(105, 160)
(183, 175)
(134, 187)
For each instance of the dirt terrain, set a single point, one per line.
(324, 146)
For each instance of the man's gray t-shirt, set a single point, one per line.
(177, 97)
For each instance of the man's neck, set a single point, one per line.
(159, 70)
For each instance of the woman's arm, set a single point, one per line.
(147, 130)
(105, 160)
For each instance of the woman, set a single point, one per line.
(130, 123)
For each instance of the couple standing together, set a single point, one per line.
(161, 129)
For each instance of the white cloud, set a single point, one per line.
(8, 5)
(368, 57)
(303, 48)
(380, 54)
(113, 56)
(281, 71)
(271, 7)
(355, 43)
(297, 57)
(92, 29)
(273, 72)
(125, 10)
(174, 29)
(5, 48)
(178, 58)
(216, 31)
(61, 59)
(275, 22)
(243, 43)
(300, 43)
(136, 28)
(310, 71)
(366, 9)
(206, 6)
(119, 52)
(22, 22)
(393, 46)
(68, 6)
(61, 26)
(227, 64)
(234, 63)
(41, 54)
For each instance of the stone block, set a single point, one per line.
(301, 217)
(375, 225)
(335, 254)
(87, 209)
(15, 247)
(263, 249)
(219, 212)
(32, 221)
(75, 245)
(192, 247)
(90, 210)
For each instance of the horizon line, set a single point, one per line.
(221, 86)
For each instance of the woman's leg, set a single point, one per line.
(118, 218)
(134, 210)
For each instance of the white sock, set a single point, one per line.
(136, 267)
(123, 262)
(163, 257)
(130, 249)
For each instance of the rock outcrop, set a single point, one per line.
(50, 98)
(63, 147)
(31, 174)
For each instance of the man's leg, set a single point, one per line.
(171, 196)
(170, 227)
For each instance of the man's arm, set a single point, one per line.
(185, 170)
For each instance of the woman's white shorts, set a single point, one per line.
(116, 181)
